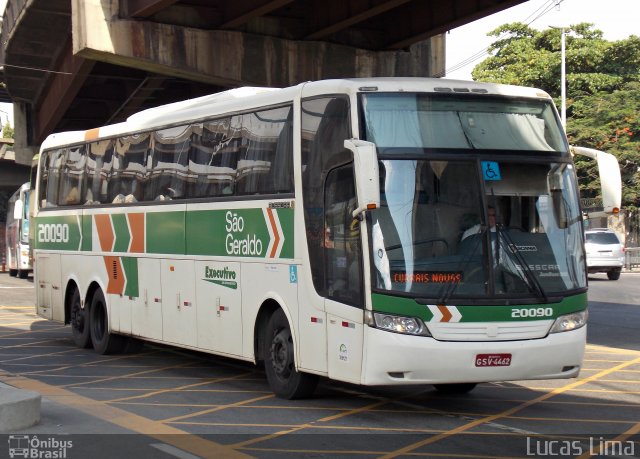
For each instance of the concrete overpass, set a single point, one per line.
(78, 64)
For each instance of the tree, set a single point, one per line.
(603, 91)
(7, 131)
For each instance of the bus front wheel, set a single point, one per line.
(79, 322)
(279, 363)
(103, 341)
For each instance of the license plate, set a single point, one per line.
(493, 360)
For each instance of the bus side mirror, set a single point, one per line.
(18, 210)
(610, 180)
(365, 166)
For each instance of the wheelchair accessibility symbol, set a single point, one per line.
(491, 170)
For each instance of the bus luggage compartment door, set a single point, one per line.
(178, 302)
(48, 288)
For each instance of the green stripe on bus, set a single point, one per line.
(165, 232)
(477, 313)
(286, 222)
(87, 231)
(239, 232)
(130, 267)
(251, 232)
(121, 230)
(57, 233)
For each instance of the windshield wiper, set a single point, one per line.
(531, 279)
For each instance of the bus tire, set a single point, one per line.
(455, 389)
(103, 342)
(23, 273)
(279, 363)
(13, 272)
(79, 319)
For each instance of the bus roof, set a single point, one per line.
(247, 98)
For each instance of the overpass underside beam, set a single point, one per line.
(231, 58)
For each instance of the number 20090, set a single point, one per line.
(52, 232)
(532, 312)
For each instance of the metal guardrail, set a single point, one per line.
(632, 257)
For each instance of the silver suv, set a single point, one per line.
(605, 254)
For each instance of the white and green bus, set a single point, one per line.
(375, 231)
(18, 256)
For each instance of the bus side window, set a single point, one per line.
(212, 165)
(56, 160)
(282, 166)
(260, 131)
(129, 171)
(44, 178)
(99, 161)
(170, 159)
(73, 177)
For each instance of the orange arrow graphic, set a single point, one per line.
(276, 234)
(446, 314)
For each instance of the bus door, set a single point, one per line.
(343, 276)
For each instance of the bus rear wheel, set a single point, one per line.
(279, 363)
(13, 272)
(103, 341)
(79, 318)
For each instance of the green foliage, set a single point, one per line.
(603, 91)
(7, 131)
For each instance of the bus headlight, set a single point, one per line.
(570, 322)
(397, 324)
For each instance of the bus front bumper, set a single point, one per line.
(392, 359)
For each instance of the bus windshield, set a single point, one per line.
(460, 226)
(443, 232)
(396, 122)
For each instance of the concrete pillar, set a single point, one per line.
(23, 149)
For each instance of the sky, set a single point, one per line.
(617, 19)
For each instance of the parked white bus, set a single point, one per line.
(18, 257)
(375, 231)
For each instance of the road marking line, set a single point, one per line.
(325, 419)
(635, 430)
(17, 307)
(506, 413)
(179, 438)
(138, 373)
(177, 389)
(42, 330)
(218, 408)
(612, 350)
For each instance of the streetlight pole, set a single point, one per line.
(563, 76)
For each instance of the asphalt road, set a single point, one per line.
(164, 402)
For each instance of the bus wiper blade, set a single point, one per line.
(531, 278)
